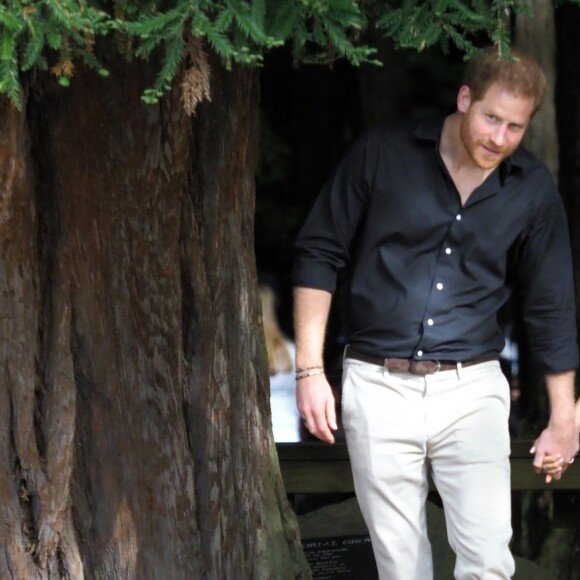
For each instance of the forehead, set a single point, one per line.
(507, 104)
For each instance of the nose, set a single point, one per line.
(499, 136)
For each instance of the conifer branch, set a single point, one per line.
(53, 34)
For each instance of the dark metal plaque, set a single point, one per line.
(341, 558)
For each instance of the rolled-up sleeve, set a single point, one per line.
(322, 247)
(546, 284)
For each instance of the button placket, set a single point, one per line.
(438, 286)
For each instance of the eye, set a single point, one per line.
(491, 117)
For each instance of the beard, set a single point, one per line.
(482, 152)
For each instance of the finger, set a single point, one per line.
(309, 422)
(552, 471)
(555, 476)
(320, 428)
(331, 415)
(552, 462)
(553, 458)
(325, 430)
(538, 458)
(312, 427)
(538, 463)
(325, 434)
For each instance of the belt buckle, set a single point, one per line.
(415, 363)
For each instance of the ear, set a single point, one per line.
(463, 99)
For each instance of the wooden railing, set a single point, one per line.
(316, 467)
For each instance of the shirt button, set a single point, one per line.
(448, 251)
(419, 353)
(458, 217)
(430, 322)
(439, 286)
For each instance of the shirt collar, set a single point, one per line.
(430, 130)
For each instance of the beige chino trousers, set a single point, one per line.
(454, 424)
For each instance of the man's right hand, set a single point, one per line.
(316, 404)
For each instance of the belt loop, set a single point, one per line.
(386, 368)
(459, 368)
(344, 354)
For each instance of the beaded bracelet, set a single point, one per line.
(306, 374)
(315, 368)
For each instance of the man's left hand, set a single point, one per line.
(560, 440)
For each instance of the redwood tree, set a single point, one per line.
(135, 439)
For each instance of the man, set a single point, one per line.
(435, 223)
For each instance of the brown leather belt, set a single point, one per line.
(415, 367)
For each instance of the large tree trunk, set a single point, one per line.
(134, 431)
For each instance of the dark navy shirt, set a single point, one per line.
(426, 275)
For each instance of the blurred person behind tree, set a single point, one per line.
(281, 353)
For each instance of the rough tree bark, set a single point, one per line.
(134, 417)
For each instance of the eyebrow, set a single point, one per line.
(500, 118)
